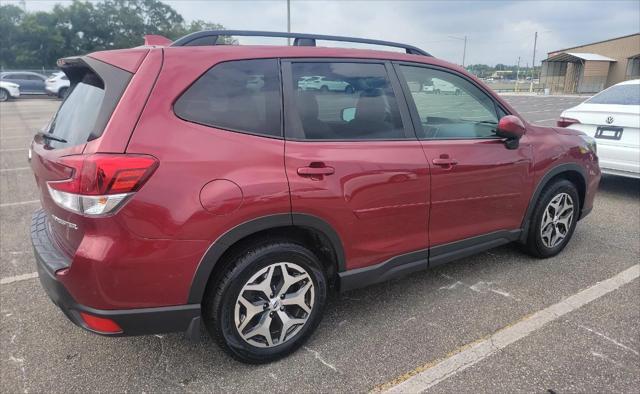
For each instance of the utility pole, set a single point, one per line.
(464, 51)
(533, 62)
(288, 21)
(517, 73)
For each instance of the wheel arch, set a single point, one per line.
(309, 230)
(569, 171)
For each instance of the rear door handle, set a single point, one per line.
(316, 171)
(445, 162)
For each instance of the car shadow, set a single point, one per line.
(622, 186)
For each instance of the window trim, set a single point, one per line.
(280, 136)
(413, 109)
(292, 121)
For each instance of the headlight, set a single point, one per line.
(590, 143)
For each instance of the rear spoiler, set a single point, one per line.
(156, 40)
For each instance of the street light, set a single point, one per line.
(464, 50)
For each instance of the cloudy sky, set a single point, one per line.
(497, 31)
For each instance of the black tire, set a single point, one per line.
(4, 95)
(221, 298)
(535, 244)
(437, 91)
(349, 89)
(324, 89)
(62, 93)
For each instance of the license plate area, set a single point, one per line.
(609, 132)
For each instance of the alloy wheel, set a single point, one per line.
(274, 304)
(557, 220)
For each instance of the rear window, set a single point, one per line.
(96, 88)
(78, 113)
(620, 95)
(240, 96)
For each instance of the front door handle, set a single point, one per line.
(315, 170)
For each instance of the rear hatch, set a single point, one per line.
(96, 88)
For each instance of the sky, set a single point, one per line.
(497, 31)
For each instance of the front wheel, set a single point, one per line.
(268, 302)
(4, 95)
(62, 93)
(554, 219)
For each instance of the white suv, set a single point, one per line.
(9, 90)
(57, 85)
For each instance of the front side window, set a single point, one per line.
(238, 95)
(449, 106)
(344, 101)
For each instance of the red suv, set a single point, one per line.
(198, 183)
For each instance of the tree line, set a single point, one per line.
(39, 39)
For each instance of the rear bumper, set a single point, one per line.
(143, 321)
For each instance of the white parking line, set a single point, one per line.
(431, 374)
(15, 169)
(544, 120)
(18, 278)
(13, 204)
(13, 149)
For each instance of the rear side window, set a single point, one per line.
(240, 96)
(344, 101)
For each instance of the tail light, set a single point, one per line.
(566, 122)
(102, 182)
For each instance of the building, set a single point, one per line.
(592, 67)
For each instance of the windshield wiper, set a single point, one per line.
(51, 137)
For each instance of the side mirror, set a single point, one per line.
(511, 128)
(348, 114)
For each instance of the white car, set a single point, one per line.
(57, 85)
(324, 84)
(9, 90)
(438, 86)
(612, 117)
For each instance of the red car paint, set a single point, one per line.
(383, 198)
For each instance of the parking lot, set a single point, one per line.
(408, 331)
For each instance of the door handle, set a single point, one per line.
(316, 170)
(445, 162)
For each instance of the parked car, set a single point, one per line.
(324, 84)
(438, 86)
(29, 82)
(9, 90)
(57, 85)
(612, 117)
(174, 192)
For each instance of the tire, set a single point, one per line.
(62, 93)
(225, 307)
(437, 91)
(324, 89)
(4, 95)
(547, 224)
(349, 89)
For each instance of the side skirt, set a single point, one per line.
(422, 259)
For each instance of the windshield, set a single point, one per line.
(620, 95)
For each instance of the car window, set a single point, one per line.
(621, 95)
(449, 106)
(239, 95)
(12, 77)
(344, 101)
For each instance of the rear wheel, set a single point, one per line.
(554, 219)
(4, 95)
(324, 89)
(267, 303)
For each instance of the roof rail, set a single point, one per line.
(210, 37)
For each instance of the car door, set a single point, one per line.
(37, 83)
(353, 160)
(479, 188)
(26, 84)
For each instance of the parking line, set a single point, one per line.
(14, 204)
(18, 278)
(429, 375)
(14, 169)
(13, 149)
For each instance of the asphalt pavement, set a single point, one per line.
(370, 339)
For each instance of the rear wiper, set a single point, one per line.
(50, 137)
